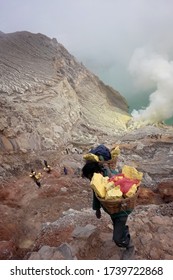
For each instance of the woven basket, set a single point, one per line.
(123, 204)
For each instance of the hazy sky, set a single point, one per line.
(103, 34)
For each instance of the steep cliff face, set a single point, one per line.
(48, 99)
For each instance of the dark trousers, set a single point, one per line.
(121, 235)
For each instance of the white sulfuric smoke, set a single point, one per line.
(151, 70)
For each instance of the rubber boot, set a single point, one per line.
(129, 252)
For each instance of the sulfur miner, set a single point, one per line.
(108, 183)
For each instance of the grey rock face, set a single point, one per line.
(48, 99)
(150, 228)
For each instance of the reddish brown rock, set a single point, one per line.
(146, 196)
(165, 190)
(7, 250)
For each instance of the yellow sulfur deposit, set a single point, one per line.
(132, 173)
(115, 152)
(91, 157)
(114, 193)
(98, 184)
(110, 186)
(109, 190)
(132, 191)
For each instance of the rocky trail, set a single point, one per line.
(56, 221)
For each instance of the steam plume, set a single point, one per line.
(152, 70)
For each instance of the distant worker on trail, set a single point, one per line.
(35, 177)
(65, 170)
(47, 167)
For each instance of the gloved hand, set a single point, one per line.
(98, 214)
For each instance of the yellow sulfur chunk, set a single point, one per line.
(132, 173)
(38, 176)
(132, 191)
(110, 186)
(91, 157)
(114, 193)
(98, 184)
(115, 152)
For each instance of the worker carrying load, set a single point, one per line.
(113, 191)
(36, 177)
